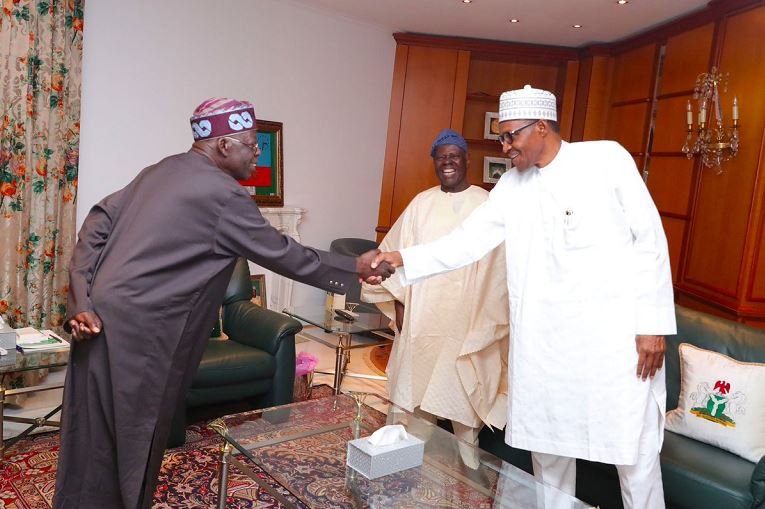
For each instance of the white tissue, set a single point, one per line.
(388, 435)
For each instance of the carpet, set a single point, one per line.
(189, 475)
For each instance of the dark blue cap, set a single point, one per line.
(448, 137)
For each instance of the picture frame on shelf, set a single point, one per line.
(491, 126)
(494, 168)
(266, 183)
(258, 282)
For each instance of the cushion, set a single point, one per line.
(722, 402)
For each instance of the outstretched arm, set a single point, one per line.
(479, 233)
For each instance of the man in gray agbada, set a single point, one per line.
(146, 279)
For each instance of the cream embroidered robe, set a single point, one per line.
(450, 357)
(587, 270)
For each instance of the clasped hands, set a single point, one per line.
(85, 325)
(373, 267)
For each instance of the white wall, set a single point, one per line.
(147, 64)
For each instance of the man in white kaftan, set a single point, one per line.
(449, 356)
(590, 299)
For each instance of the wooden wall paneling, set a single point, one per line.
(718, 232)
(670, 127)
(432, 78)
(475, 114)
(674, 229)
(721, 222)
(460, 90)
(633, 74)
(598, 98)
(756, 290)
(626, 124)
(391, 145)
(492, 77)
(739, 56)
(687, 56)
(566, 102)
(669, 182)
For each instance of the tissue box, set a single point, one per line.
(7, 338)
(376, 461)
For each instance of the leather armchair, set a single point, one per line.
(256, 364)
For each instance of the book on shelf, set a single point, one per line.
(31, 339)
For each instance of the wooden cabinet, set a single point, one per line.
(440, 82)
(636, 93)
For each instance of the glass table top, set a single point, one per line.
(328, 320)
(28, 360)
(303, 448)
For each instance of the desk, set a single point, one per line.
(16, 362)
(347, 335)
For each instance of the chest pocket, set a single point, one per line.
(580, 227)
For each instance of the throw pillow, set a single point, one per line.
(722, 402)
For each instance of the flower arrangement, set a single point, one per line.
(305, 363)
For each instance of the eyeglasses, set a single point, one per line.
(254, 147)
(448, 157)
(507, 138)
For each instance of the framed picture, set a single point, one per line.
(258, 282)
(491, 126)
(494, 168)
(266, 184)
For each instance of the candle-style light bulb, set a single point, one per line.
(689, 115)
(735, 108)
(703, 113)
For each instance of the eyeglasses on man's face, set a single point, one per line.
(252, 146)
(452, 158)
(507, 138)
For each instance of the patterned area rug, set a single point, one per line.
(189, 475)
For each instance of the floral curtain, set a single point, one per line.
(40, 77)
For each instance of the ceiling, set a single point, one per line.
(540, 21)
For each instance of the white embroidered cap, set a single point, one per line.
(527, 104)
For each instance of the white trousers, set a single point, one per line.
(641, 483)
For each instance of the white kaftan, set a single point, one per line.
(587, 270)
(450, 357)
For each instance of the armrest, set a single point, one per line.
(251, 325)
(757, 485)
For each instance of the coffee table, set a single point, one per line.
(348, 336)
(15, 362)
(302, 447)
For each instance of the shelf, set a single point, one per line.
(488, 143)
(480, 96)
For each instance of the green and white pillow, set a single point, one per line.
(722, 402)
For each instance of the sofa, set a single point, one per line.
(696, 475)
(253, 368)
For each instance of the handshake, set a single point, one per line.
(374, 267)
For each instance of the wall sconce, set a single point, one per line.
(714, 142)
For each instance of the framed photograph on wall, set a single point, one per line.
(258, 282)
(494, 168)
(266, 184)
(491, 126)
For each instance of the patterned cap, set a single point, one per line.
(218, 117)
(527, 104)
(448, 137)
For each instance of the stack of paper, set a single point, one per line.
(30, 338)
